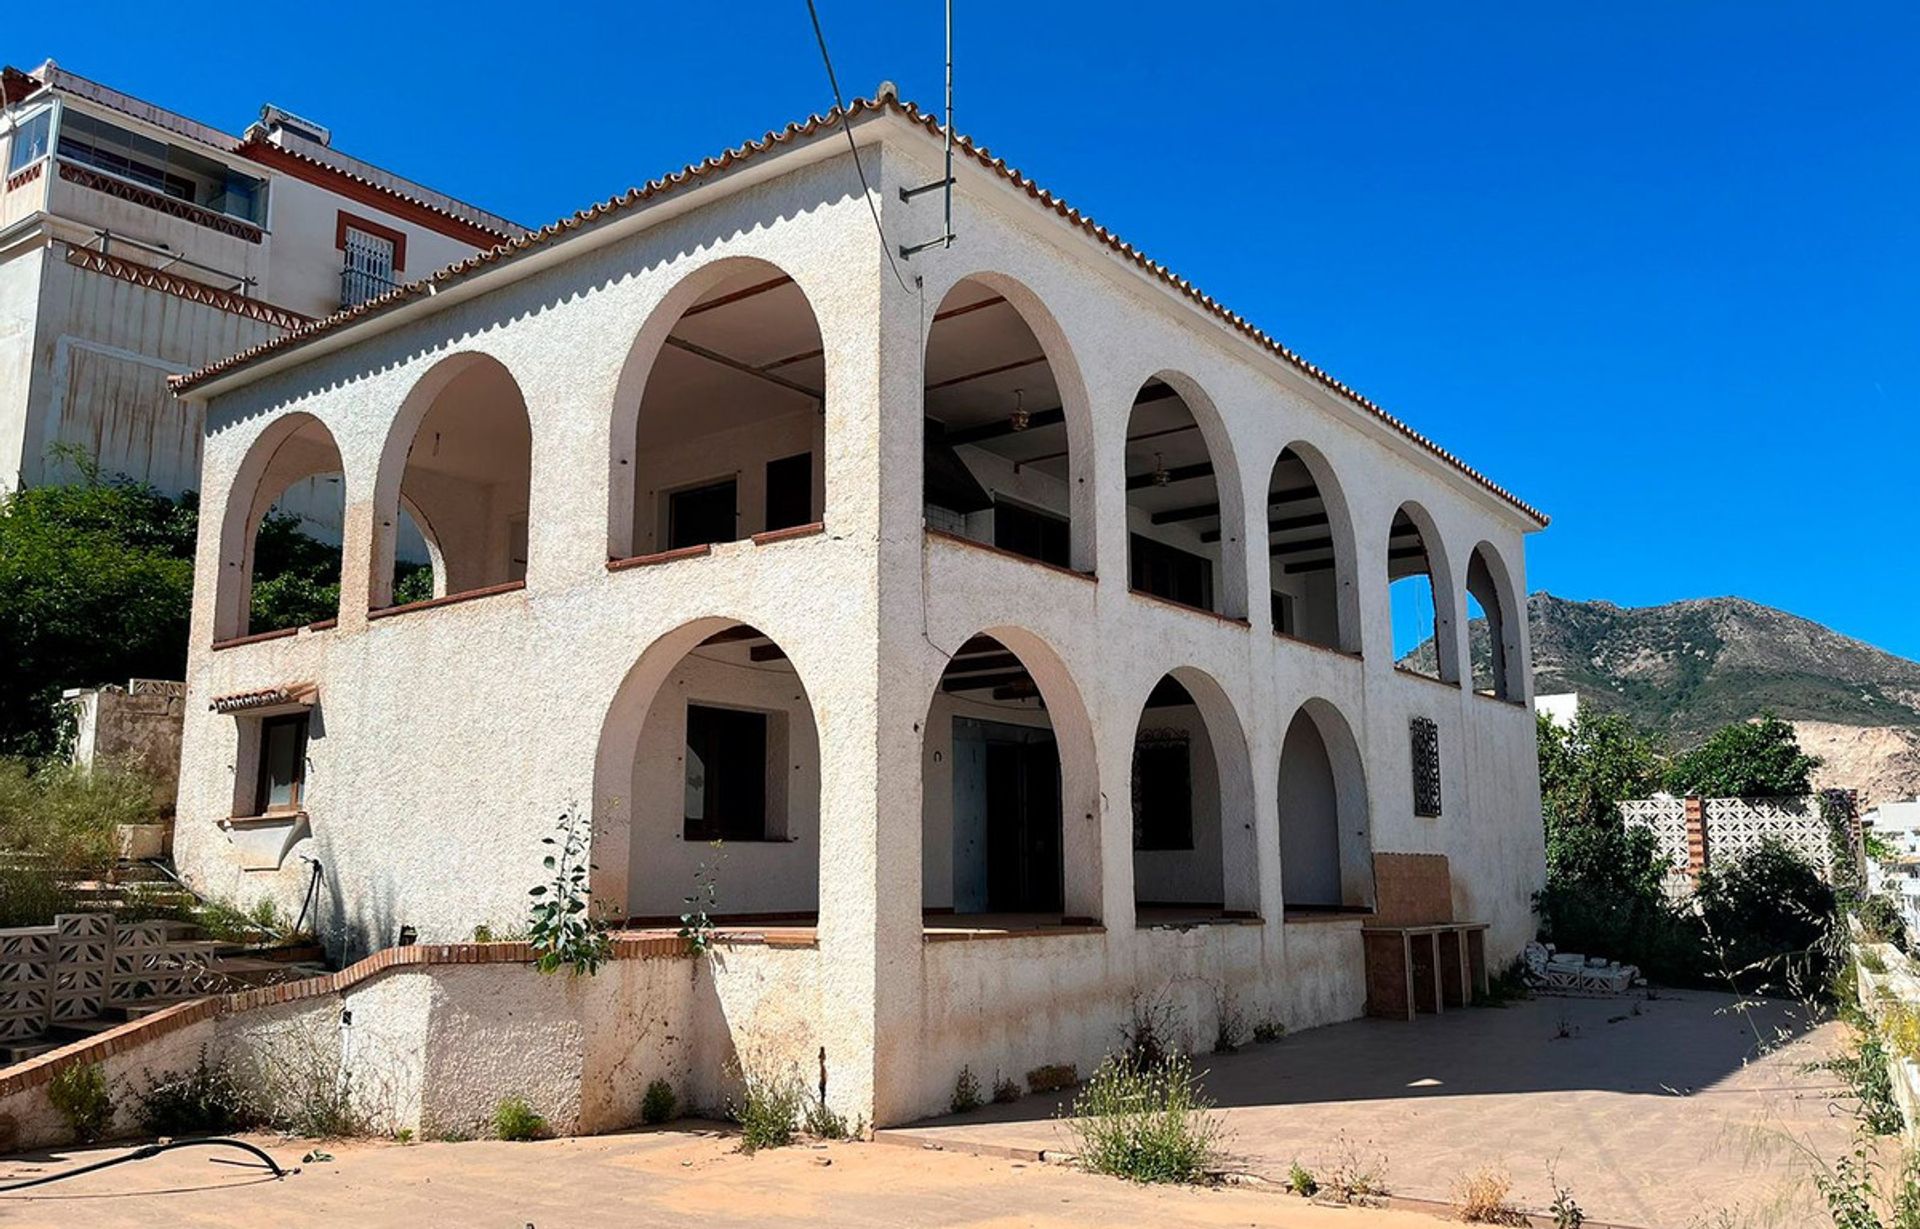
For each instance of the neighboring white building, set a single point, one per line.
(136, 244)
(1019, 622)
(1562, 708)
(1897, 825)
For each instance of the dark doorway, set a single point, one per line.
(790, 491)
(1015, 786)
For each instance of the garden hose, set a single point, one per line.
(146, 1153)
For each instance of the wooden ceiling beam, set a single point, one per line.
(714, 356)
(1179, 473)
(984, 372)
(1197, 512)
(758, 288)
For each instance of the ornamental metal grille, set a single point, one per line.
(368, 269)
(1426, 767)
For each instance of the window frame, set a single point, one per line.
(301, 722)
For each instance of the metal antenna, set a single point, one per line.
(907, 251)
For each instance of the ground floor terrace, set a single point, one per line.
(1685, 1109)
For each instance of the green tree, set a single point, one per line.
(96, 581)
(1586, 772)
(1748, 759)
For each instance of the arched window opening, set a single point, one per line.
(731, 428)
(287, 572)
(1326, 853)
(1003, 772)
(1415, 601)
(459, 519)
(1192, 820)
(719, 770)
(1311, 558)
(1491, 636)
(1173, 502)
(997, 463)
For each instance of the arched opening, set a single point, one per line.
(455, 485)
(1419, 598)
(730, 429)
(709, 772)
(1493, 640)
(1176, 514)
(1009, 821)
(1005, 427)
(1326, 850)
(1193, 846)
(1311, 551)
(280, 548)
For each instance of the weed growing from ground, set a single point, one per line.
(823, 1123)
(514, 1119)
(1482, 1196)
(79, 1094)
(1230, 1028)
(1151, 1035)
(966, 1092)
(1147, 1124)
(696, 924)
(1566, 1213)
(659, 1104)
(1268, 1030)
(1004, 1089)
(768, 1110)
(1300, 1181)
(1052, 1078)
(1355, 1176)
(561, 925)
(207, 1100)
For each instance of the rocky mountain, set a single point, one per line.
(1687, 668)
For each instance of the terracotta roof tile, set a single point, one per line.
(265, 697)
(883, 103)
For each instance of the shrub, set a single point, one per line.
(1147, 1124)
(1863, 1066)
(1052, 1078)
(514, 1119)
(79, 1094)
(65, 815)
(207, 1100)
(1268, 1030)
(30, 895)
(1300, 1181)
(966, 1092)
(823, 1123)
(1005, 1090)
(659, 1104)
(1747, 759)
(769, 1110)
(1482, 1196)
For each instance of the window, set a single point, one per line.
(1283, 616)
(1426, 767)
(283, 764)
(30, 141)
(726, 775)
(1035, 534)
(367, 271)
(1162, 791)
(702, 515)
(1169, 572)
(166, 169)
(790, 491)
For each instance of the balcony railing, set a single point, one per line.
(357, 286)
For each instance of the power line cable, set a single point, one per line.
(846, 126)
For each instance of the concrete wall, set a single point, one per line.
(136, 726)
(433, 1047)
(449, 738)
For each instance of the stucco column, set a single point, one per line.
(870, 728)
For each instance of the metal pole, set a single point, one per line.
(949, 226)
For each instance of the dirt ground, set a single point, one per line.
(656, 1178)
(1683, 1110)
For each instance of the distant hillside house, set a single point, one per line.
(1016, 623)
(136, 244)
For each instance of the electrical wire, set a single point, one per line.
(846, 126)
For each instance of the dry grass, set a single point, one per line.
(1482, 1198)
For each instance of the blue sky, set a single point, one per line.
(1653, 266)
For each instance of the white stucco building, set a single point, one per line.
(136, 243)
(1018, 623)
